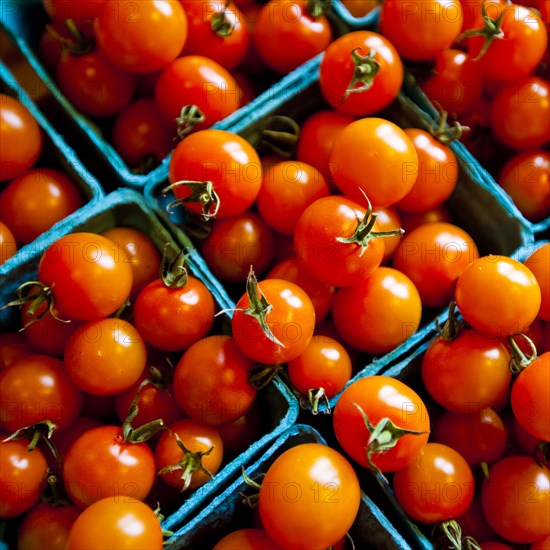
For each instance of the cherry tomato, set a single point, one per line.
(438, 22)
(360, 8)
(141, 38)
(538, 263)
(8, 246)
(101, 464)
(473, 522)
(380, 397)
(360, 73)
(518, 51)
(437, 486)
(31, 203)
(498, 295)
(47, 526)
(290, 319)
(378, 314)
(36, 388)
(317, 135)
(520, 113)
(389, 220)
(22, 474)
(321, 294)
(233, 167)
(21, 138)
(211, 381)
(433, 256)
(437, 173)
(309, 497)
(13, 346)
(216, 30)
(525, 177)
(288, 188)
(467, 374)
(88, 280)
(197, 437)
(199, 81)
(236, 243)
(478, 437)
(388, 152)
(516, 499)
(116, 523)
(456, 84)
(246, 539)
(530, 397)
(298, 34)
(336, 241)
(140, 134)
(92, 84)
(82, 13)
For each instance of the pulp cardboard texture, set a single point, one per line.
(125, 207)
(56, 152)
(226, 512)
(23, 21)
(424, 104)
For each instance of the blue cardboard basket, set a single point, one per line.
(23, 20)
(279, 408)
(55, 151)
(225, 512)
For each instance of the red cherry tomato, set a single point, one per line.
(8, 246)
(538, 263)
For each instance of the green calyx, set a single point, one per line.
(280, 135)
(190, 463)
(366, 68)
(41, 431)
(519, 360)
(364, 231)
(189, 117)
(221, 23)
(77, 44)
(173, 273)
(145, 432)
(452, 327)
(202, 192)
(314, 397)
(318, 8)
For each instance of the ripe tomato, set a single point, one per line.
(246, 539)
(236, 243)
(184, 468)
(360, 73)
(433, 256)
(538, 263)
(216, 30)
(47, 526)
(21, 138)
(309, 497)
(437, 486)
(101, 464)
(211, 381)
(31, 203)
(478, 437)
(233, 168)
(456, 84)
(516, 499)
(291, 269)
(498, 295)
(517, 44)
(13, 346)
(378, 314)
(438, 22)
(92, 84)
(141, 253)
(140, 134)
(388, 153)
(141, 38)
(36, 388)
(95, 347)
(274, 333)
(22, 474)
(338, 241)
(116, 523)
(381, 397)
(299, 35)
(530, 398)
(389, 220)
(437, 173)
(288, 188)
(86, 278)
(194, 80)
(8, 247)
(520, 113)
(467, 374)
